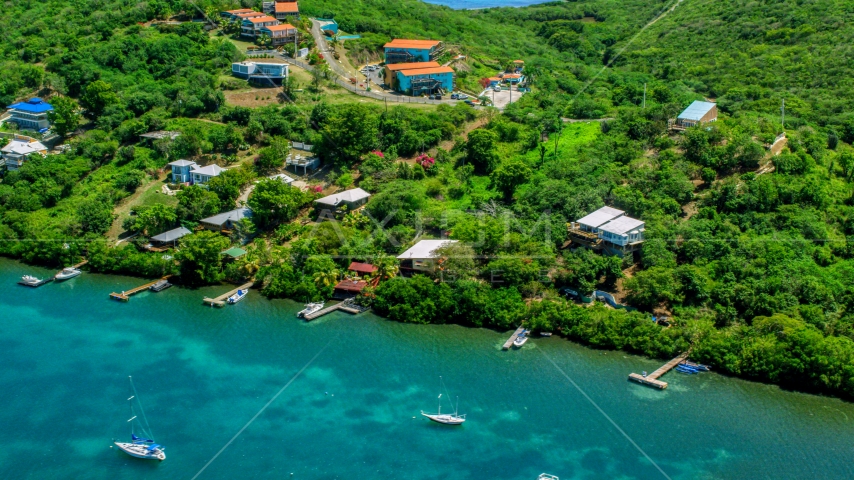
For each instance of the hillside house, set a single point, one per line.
(352, 199)
(202, 175)
(260, 73)
(425, 81)
(19, 149)
(159, 243)
(181, 170)
(30, 115)
(282, 10)
(494, 81)
(225, 221)
(251, 27)
(422, 257)
(608, 230)
(410, 51)
(518, 65)
(698, 113)
(390, 71)
(232, 14)
(253, 14)
(513, 78)
(362, 269)
(280, 34)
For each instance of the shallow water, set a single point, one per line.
(353, 413)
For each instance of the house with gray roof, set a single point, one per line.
(202, 175)
(225, 221)
(167, 239)
(352, 199)
(697, 113)
(608, 230)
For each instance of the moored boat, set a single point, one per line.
(520, 340)
(140, 447)
(67, 273)
(237, 296)
(160, 286)
(446, 418)
(545, 334)
(31, 281)
(310, 308)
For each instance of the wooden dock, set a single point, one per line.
(345, 306)
(652, 379)
(125, 295)
(320, 313)
(220, 300)
(509, 342)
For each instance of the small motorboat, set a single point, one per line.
(545, 334)
(520, 340)
(310, 308)
(546, 476)
(67, 273)
(160, 286)
(237, 296)
(31, 281)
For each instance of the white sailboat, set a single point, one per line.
(140, 447)
(446, 418)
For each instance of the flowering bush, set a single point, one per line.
(378, 153)
(425, 161)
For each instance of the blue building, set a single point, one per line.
(181, 170)
(30, 115)
(411, 51)
(426, 80)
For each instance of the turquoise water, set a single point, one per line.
(203, 373)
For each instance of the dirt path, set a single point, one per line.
(124, 207)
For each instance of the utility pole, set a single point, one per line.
(644, 95)
(783, 115)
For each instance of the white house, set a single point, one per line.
(422, 257)
(697, 113)
(202, 175)
(19, 149)
(608, 229)
(181, 170)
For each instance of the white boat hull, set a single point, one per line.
(444, 418)
(65, 276)
(236, 298)
(518, 343)
(141, 451)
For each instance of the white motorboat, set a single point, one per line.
(31, 281)
(310, 308)
(140, 447)
(520, 340)
(546, 476)
(446, 418)
(67, 273)
(237, 296)
(545, 334)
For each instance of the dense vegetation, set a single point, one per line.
(748, 254)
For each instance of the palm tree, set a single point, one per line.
(326, 279)
(386, 268)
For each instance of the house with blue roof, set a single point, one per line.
(30, 115)
(697, 113)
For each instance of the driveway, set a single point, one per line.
(503, 98)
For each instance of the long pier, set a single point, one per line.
(652, 379)
(220, 300)
(509, 342)
(125, 295)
